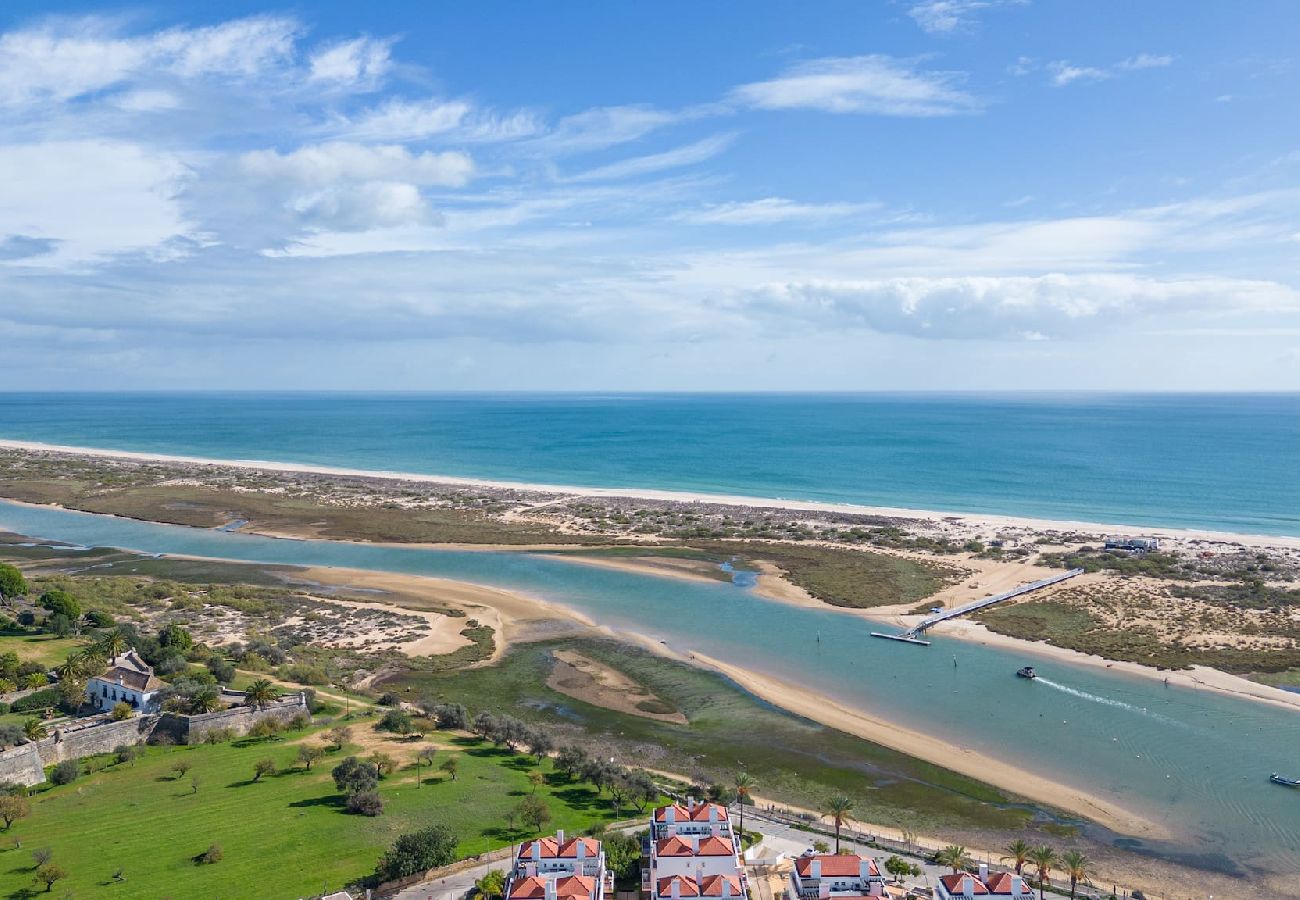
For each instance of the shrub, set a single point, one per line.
(65, 772)
(175, 637)
(388, 698)
(263, 767)
(12, 582)
(264, 728)
(99, 619)
(61, 603)
(59, 624)
(451, 715)
(222, 670)
(397, 721)
(417, 852)
(219, 736)
(209, 856)
(301, 673)
(299, 721)
(365, 803)
(121, 711)
(39, 700)
(124, 753)
(10, 735)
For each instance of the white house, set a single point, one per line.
(838, 877)
(554, 868)
(692, 853)
(964, 886)
(130, 680)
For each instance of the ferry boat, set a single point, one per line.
(1026, 672)
(1285, 782)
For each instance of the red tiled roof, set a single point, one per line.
(553, 849)
(1001, 884)
(953, 884)
(714, 846)
(710, 886)
(534, 888)
(674, 846)
(699, 814)
(846, 866)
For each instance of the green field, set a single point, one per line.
(46, 649)
(285, 836)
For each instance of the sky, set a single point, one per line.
(888, 195)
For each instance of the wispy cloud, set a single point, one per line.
(876, 84)
(771, 210)
(686, 155)
(1063, 73)
(947, 16)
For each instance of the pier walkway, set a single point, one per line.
(910, 636)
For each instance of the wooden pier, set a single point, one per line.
(910, 636)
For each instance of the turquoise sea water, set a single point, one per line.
(1227, 462)
(1192, 760)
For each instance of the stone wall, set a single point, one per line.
(239, 719)
(22, 765)
(100, 736)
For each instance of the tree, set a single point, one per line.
(744, 784)
(365, 803)
(352, 776)
(59, 624)
(205, 700)
(175, 637)
(1043, 858)
(428, 848)
(339, 736)
(1076, 866)
(954, 856)
(382, 762)
(539, 744)
(263, 767)
(261, 693)
(1018, 852)
(48, 874)
(492, 885)
(13, 808)
(534, 811)
(451, 715)
(181, 767)
(570, 760)
(536, 779)
(12, 582)
(450, 765)
(113, 644)
(42, 855)
(61, 603)
(308, 754)
(837, 810)
(899, 867)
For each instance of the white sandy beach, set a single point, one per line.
(983, 521)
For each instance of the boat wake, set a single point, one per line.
(1107, 701)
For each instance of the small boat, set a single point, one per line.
(1284, 781)
(1026, 672)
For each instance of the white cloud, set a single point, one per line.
(771, 210)
(91, 199)
(947, 16)
(344, 161)
(596, 129)
(687, 155)
(1054, 306)
(399, 120)
(1064, 73)
(874, 84)
(363, 59)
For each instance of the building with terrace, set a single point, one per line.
(128, 679)
(556, 868)
(692, 852)
(838, 877)
(964, 886)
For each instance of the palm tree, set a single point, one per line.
(953, 856)
(34, 729)
(113, 644)
(837, 809)
(1018, 853)
(261, 693)
(744, 784)
(1043, 858)
(205, 700)
(1076, 866)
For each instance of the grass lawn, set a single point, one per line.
(45, 649)
(285, 836)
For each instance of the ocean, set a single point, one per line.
(1228, 462)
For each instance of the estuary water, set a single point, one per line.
(1223, 462)
(1195, 761)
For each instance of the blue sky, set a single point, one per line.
(921, 194)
